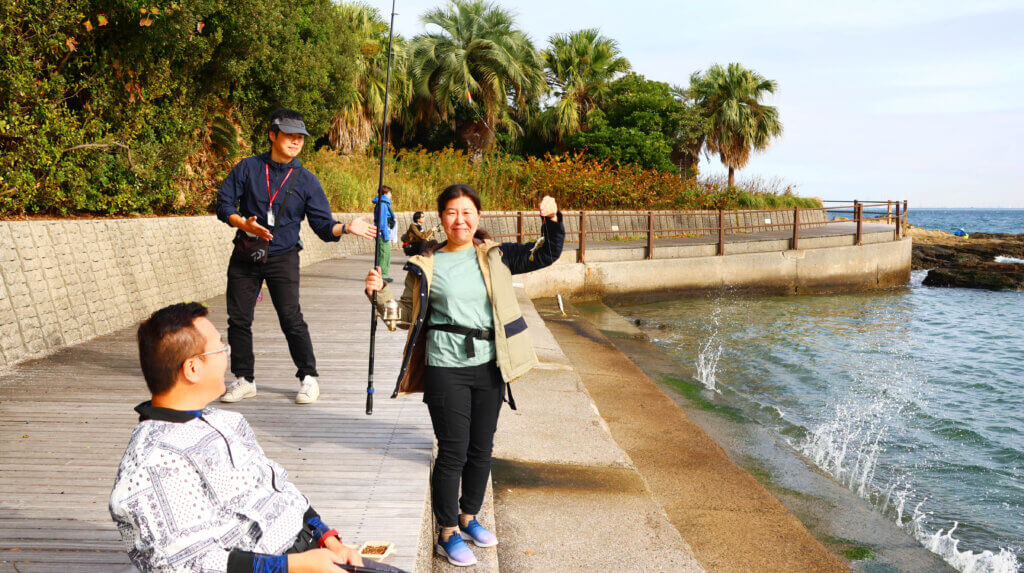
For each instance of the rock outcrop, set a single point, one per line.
(992, 276)
(959, 262)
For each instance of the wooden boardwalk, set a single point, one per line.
(65, 420)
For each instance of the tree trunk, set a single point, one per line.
(685, 161)
(732, 176)
(477, 137)
(348, 135)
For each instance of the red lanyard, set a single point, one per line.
(267, 168)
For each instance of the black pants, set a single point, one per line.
(244, 283)
(464, 405)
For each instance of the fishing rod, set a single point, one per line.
(377, 212)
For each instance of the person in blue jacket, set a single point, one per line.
(386, 231)
(268, 196)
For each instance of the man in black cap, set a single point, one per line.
(267, 196)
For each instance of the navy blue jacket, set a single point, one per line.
(244, 193)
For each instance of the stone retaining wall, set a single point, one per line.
(64, 282)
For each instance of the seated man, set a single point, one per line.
(416, 235)
(195, 491)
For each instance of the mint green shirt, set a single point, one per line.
(458, 295)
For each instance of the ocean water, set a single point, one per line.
(971, 220)
(911, 397)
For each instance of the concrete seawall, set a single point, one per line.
(824, 265)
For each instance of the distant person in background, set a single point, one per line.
(384, 214)
(416, 235)
(267, 197)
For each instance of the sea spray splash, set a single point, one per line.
(710, 352)
(847, 447)
(968, 561)
(1002, 259)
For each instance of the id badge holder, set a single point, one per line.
(270, 216)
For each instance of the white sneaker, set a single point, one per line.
(309, 391)
(241, 389)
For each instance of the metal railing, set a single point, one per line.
(803, 217)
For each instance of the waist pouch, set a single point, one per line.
(470, 334)
(249, 249)
(252, 249)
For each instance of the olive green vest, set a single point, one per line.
(513, 349)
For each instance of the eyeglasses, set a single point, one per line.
(227, 349)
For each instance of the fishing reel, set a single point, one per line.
(390, 315)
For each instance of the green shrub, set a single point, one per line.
(120, 106)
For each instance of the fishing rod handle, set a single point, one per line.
(373, 343)
(360, 569)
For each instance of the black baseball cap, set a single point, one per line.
(295, 124)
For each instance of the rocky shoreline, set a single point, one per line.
(953, 261)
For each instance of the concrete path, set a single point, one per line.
(566, 496)
(65, 420)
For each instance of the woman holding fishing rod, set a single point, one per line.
(467, 342)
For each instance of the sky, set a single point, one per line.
(917, 101)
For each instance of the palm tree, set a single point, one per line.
(476, 72)
(579, 66)
(730, 98)
(360, 120)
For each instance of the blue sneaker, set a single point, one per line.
(456, 550)
(479, 534)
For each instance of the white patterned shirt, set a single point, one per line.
(192, 489)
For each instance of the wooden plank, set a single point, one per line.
(28, 567)
(53, 557)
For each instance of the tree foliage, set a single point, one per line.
(108, 106)
(739, 123)
(142, 106)
(579, 66)
(474, 70)
(359, 120)
(643, 122)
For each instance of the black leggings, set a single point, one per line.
(464, 405)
